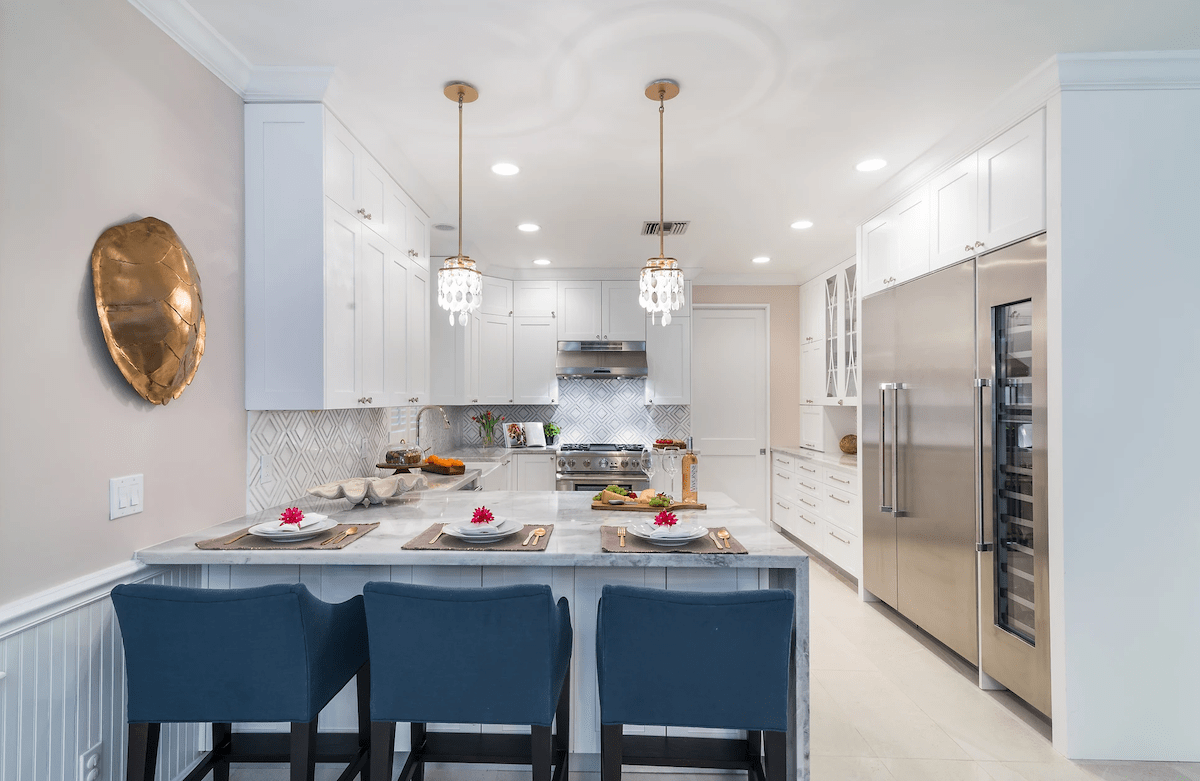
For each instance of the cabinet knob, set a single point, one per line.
(839, 402)
(364, 213)
(979, 244)
(552, 314)
(510, 401)
(510, 311)
(967, 248)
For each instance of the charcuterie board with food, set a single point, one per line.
(648, 501)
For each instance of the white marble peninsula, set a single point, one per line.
(572, 564)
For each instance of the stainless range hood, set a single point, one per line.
(601, 359)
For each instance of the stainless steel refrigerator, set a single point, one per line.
(954, 461)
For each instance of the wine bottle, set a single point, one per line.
(691, 475)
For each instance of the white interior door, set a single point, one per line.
(729, 402)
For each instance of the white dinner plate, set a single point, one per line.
(463, 531)
(271, 531)
(647, 532)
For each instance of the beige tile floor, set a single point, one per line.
(889, 704)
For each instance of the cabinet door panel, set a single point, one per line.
(812, 372)
(343, 165)
(342, 247)
(1012, 184)
(911, 218)
(372, 319)
(669, 362)
(955, 198)
(418, 334)
(395, 339)
(497, 297)
(397, 207)
(535, 471)
(374, 199)
(535, 347)
(535, 299)
(579, 311)
(496, 360)
(416, 238)
(623, 318)
(812, 425)
(879, 253)
(812, 308)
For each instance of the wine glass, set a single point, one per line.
(671, 465)
(648, 465)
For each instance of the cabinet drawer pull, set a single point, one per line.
(784, 506)
(783, 461)
(839, 539)
(810, 504)
(840, 480)
(809, 487)
(843, 501)
(785, 477)
(807, 469)
(805, 518)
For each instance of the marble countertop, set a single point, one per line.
(488, 454)
(574, 543)
(829, 459)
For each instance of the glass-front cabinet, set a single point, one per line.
(838, 289)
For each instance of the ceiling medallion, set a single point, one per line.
(661, 282)
(460, 285)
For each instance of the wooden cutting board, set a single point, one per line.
(645, 508)
(443, 470)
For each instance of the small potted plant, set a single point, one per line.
(487, 421)
(551, 431)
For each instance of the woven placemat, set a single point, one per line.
(250, 542)
(611, 543)
(509, 543)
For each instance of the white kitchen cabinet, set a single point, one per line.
(894, 246)
(840, 375)
(818, 504)
(535, 345)
(622, 317)
(496, 359)
(954, 198)
(417, 391)
(535, 298)
(812, 312)
(812, 373)
(455, 374)
(535, 471)
(330, 321)
(580, 311)
(502, 478)
(812, 428)
(1012, 184)
(878, 251)
(669, 362)
(497, 297)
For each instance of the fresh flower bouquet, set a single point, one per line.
(482, 515)
(487, 421)
(665, 518)
(516, 435)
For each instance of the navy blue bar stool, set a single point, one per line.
(694, 659)
(268, 654)
(481, 655)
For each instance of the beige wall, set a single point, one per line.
(785, 347)
(103, 120)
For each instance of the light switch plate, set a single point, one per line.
(125, 496)
(266, 469)
(89, 764)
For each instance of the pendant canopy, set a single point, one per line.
(661, 282)
(460, 285)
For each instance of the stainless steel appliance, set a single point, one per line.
(601, 359)
(954, 461)
(593, 467)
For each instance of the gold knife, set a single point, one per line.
(438, 535)
(529, 539)
(235, 539)
(713, 536)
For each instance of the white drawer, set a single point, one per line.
(782, 481)
(810, 528)
(783, 512)
(842, 548)
(807, 484)
(813, 505)
(843, 481)
(805, 467)
(783, 461)
(842, 509)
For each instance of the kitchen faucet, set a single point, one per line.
(430, 406)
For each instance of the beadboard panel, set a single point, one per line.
(63, 689)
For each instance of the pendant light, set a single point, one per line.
(661, 279)
(460, 285)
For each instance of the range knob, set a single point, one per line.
(587, 462)
(571, 462)
(624, 462)
(562, 462)
(604, 463)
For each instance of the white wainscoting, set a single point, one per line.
(62, 688)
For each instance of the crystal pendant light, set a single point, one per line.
(460, 285)
(661, 281)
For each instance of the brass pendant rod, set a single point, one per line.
(661, 250)
(460, 228)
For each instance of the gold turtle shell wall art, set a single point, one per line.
(150, 306)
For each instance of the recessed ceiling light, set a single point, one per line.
(762, 260)
(505, 169)
(529, 227)
(871, 165)
(801, 225)
(541, 262)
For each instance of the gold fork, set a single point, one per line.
(621, 534)
(342, 536)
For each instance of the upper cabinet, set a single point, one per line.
(534, 298)
(829, 351)
(812, 307)
(988, 199)
(336, 312)
(622, 317)
(535, 345)
(497, 297)
(669, 361)
(595, 311)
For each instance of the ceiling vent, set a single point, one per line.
(669, 228)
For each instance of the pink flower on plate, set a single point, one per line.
(665, 519)
(291, 515)
(482, 515)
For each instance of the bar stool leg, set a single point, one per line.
(143, 752)
(562, 726)
(363, 682)
(776, 755)
(610, 751)
(383, 748)
(417, 741)
(222, 737)
(543, 752)
(304, 751)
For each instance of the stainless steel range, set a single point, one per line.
(593, 467)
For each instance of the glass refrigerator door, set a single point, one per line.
(1015, 492)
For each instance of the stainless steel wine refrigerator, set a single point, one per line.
(954, 461)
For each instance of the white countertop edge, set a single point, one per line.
(841, 460)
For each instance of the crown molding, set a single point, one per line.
(550, 273)
(252, 83)
(751, 280)
(1129, 71)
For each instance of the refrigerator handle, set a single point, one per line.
(884, 507)
(981, 544)
(896, 388)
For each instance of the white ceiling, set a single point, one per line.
(780, 99)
